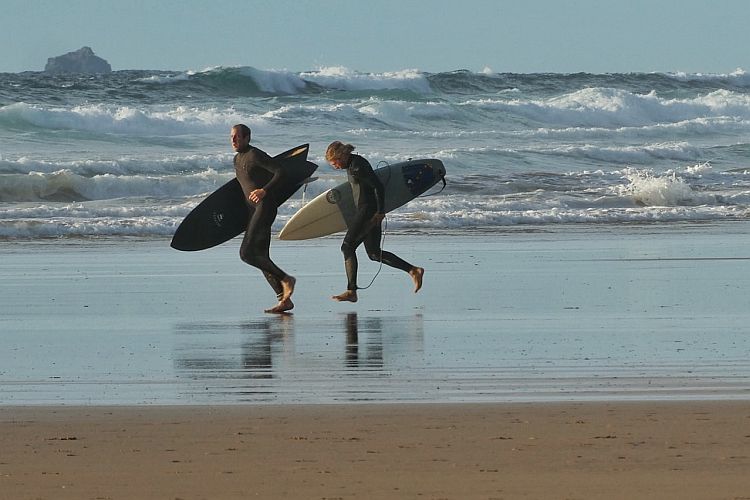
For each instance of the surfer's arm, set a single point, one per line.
(373, 181)
(367, 177)
(274, 167)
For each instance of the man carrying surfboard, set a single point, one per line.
(366, 227)
(260, 176)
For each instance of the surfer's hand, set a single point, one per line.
(378, 218)
(257, 195)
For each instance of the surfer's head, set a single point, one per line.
(240, 137)
(338, 154)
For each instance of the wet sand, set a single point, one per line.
(579, 363)
(579, 314)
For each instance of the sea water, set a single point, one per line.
(132, 152)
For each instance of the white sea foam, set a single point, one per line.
(667, 190)
(737, 77)
(582, 114)
(69, 186)
(614, 108)
(338, 77)
(642, 153)
(518, 150)
(126, 120)
(133, 165)
(275, 81)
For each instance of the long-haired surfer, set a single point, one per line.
(260, 176)
(369, 195)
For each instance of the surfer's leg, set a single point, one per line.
(376, 253)
(275, 284)
(255, 249)
(352, 240)
(349, 249)
(350, 264)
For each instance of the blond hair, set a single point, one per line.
(337, 150)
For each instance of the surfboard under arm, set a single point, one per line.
(330, 212)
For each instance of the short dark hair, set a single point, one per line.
(242, 128)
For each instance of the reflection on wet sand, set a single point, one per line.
(370, 355)
(283, 357)
(212, 351)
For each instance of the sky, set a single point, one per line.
(521, 36)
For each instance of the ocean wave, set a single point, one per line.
(584, 113)
(641, 154)
(451, 216)
(342, 78)
(247, 81)
(132, 152)
(615, 108)
(64, 204)
(123, 120)
(123, 166)
(238, 81)
(738, 77)
(65, 185)
(251, 81)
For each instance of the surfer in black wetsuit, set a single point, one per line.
(260, 176)
(369, 195)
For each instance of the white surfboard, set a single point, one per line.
(329, 212)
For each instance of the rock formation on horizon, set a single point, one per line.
(82, 60)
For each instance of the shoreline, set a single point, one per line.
(646, 313)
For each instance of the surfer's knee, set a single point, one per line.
(375, 255)
(248, 257)
(347, 248)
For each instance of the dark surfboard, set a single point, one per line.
(225, 214)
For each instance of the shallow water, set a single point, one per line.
(638, 312)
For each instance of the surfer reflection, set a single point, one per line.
(212, 348)
(260, 177)
(366, 227)
(258, 350)
(373, 357)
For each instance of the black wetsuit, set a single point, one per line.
(254, 170)
(369, 196)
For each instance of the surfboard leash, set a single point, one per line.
(382, 236)
(380, 267)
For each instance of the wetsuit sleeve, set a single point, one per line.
(266, 162)
(367, 177)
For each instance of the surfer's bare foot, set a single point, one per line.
(288, 286)
(416, 275)
(283, 306)
(347, 296)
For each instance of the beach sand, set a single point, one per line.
(574, 363)
(660, 450)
